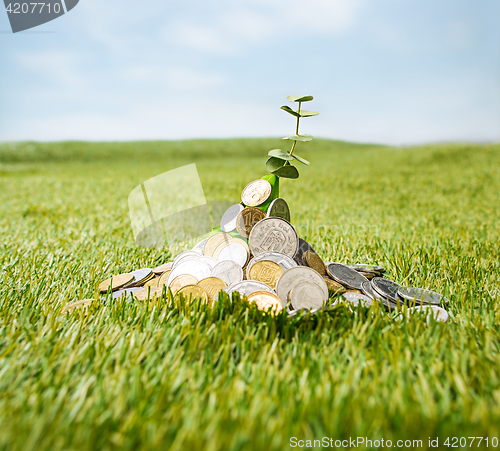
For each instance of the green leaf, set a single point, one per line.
(274, 163)
(300, 98)
(302, 160)
(288, 172)
(289, 110)
(278, 153)
(302, 138)
(304, 113)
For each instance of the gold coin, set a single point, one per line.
(266, 271)
(164, 277)
(193, 291)
(85, 303)
(334, 286)
(368, 275)
(214, 241)
(314, 261)
(182, 280)
(152, 283)
(147, 293)
(162, 268)
(116, 282)
(256, 193)
(266, 300)
(247, 218)
(212, 286)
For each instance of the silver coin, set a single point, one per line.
(234, 252)
(283, 260)
(293, 276)
(229, 271)
(196, 268)
(304, 246)
(388, 289)
(183, 256)
(279, 208)
(139, 276)
(247, 287)
(273, 235)
(228, 221)
(420, 295)
(210, 261)
(200, 246)
(367, 289)
(346, 276)
(367, 268)
(440, 314)
(306, 295)
(356, 299)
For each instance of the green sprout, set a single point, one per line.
(279, 161)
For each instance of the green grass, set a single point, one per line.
(133, 376)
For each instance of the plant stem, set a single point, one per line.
(298, 118)
(296, 132)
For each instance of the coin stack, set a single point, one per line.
(258, 254)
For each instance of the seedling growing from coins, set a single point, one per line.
(280, 160)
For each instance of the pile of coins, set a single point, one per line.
(259, 254)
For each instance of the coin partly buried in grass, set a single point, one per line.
(116, 282)
(191, 292)
(212, 286)
(182, 280)
(147, 293)
(159, 270)
(266, 301)
(84, 303)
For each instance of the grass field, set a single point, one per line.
(166, 376)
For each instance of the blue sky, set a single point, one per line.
(387, 71)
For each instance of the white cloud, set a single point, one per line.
(175, 77)
(234, 25)
(62, 68)
(199, 37)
